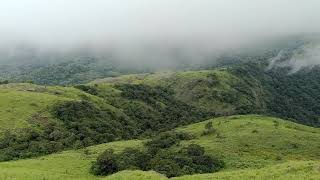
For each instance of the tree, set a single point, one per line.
(167, 167)
(195, 150)
(132, 158)
(106, 163)
(163, 141)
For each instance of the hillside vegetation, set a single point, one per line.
(250, 145)
(240, 89)
(56, 118)
(39, 120)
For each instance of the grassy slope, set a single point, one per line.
(19, 102)
(297, 170)
(255, 141)
(65, 165)
(207, 89)
(286, 150)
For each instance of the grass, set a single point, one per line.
(19, 102)
(202, 89)
(206, 89)
(136, 175)
(297, 170)
(256, 141)
(74, 164)
(253, 147)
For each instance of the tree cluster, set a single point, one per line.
(161, 154)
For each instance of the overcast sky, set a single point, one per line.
(58, 22)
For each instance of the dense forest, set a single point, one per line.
(291, 96)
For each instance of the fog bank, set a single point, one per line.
(152, 29)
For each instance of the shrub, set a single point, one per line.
(165, 160)
(88, 89)
(209, 129)
(106, 163)
(255, 131)
(195, 150)
(164, 140)
(133, 159)
(166, 166)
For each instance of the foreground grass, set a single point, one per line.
(66, 165)
(294, 170)
(252, 146)
(255, 141)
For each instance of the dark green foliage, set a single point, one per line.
(195, 150)
(4, 82)
(166, 140)
(92, 125)
(106, 164)
(88, 89)
(295, 96)
(29, 143)
(133, 159)
(164, 159)
(292, 96)
(157, 109)
(166, 166)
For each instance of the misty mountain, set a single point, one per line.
(27, 63)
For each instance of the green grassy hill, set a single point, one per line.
(217, 91)
(56, 118)
(19, 102)
(68, 117)
(241, 89)
(250, 145)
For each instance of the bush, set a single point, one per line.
(106, 164)
(167, 161)
(195, 150)
(133, 159)
(166, 140)
(166, 166)
(88, 89)
(91, 124)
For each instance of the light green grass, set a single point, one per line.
(254, 141)
(65, 165)
(293, 170)
(136, 175)
(267, 153)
